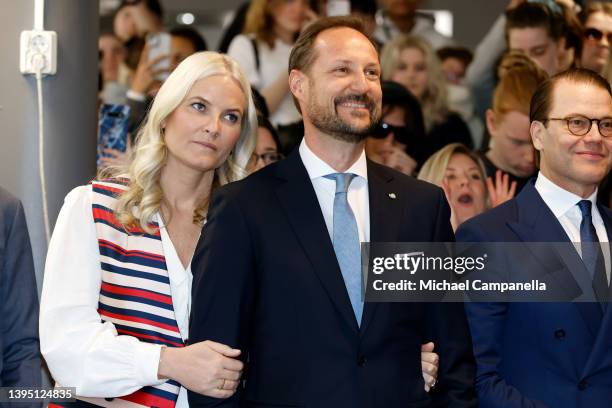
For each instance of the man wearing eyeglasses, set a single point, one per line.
(554, 354)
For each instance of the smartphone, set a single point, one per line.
(112, 129)
(159, 44)
(338, 8)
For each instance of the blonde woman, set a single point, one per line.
(461, 174)
(270, 30)
(410, 61)
(117, 285)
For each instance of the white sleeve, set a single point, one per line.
(80, 350)
(487, 52)
(241, 49)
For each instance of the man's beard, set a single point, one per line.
(332, 124)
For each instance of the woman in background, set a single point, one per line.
(461, 174)
(410, 61)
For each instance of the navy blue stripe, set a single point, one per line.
(101, 190)
(137, 313)
(169, 339)
(138, 299)
(160, 393)
(137, 274)
(121, 228)
(134, 258)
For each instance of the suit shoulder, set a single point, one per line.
(490, 223)
(8, 202)
(423, 188)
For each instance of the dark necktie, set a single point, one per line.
(592, 256)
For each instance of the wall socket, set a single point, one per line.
(38, 48)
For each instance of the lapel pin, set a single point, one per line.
(392, 196)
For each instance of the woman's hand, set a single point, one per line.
(145, 76)
(502, 191)
(430, 362)
(399, 160)
(207, 367)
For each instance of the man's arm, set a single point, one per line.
(19, 300)
(223, 285)
(448, 329)
(487, 325)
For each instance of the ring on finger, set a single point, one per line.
(222, 384)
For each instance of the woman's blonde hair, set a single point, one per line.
(434, 101)
(143, 197)
(435, 167)
(259, 21)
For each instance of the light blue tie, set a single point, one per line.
(346, 241)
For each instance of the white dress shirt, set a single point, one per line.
(325, 189)
(564, 205)
(80, 350)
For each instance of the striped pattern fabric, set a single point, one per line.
(135, 291)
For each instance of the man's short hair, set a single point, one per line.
(303, 54)
(541, 102)
(536, 15)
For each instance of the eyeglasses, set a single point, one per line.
(594, 34)
(267, 157)
(384, 129)
(580, 125)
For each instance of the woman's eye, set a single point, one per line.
(450, 176)
(200, 107)
(476, 177)
(342, 70)
(232, 117)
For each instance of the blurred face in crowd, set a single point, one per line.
(576, 163)
(340, 94)
(288, 15)
(597, 41)
(203, 129)
(537, 45)
(412, 72)
(511, 149)
(124, 24)
(454, 70)
(400, 8)
(113, 54)
(465, 185)
(180, 48)
(378, 148)
(266, 150)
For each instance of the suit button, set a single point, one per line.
(583, 385)
(560, 334)
(361, 360)
(109, 399)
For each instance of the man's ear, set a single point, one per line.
(491, 125)
(537, 131)
(297, 84)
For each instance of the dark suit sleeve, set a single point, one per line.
(487, 325)
(18, 301)
(223, 285)
(448, 329)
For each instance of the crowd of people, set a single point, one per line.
(219, 248)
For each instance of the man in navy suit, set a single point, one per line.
(19, 347)
(554, 354)
(277, 271)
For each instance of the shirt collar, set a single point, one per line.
(559, 200)
(318, 168)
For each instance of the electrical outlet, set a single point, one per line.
(38, 49)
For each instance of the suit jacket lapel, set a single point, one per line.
(384, 221)
(536, 223)
(299, 201)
